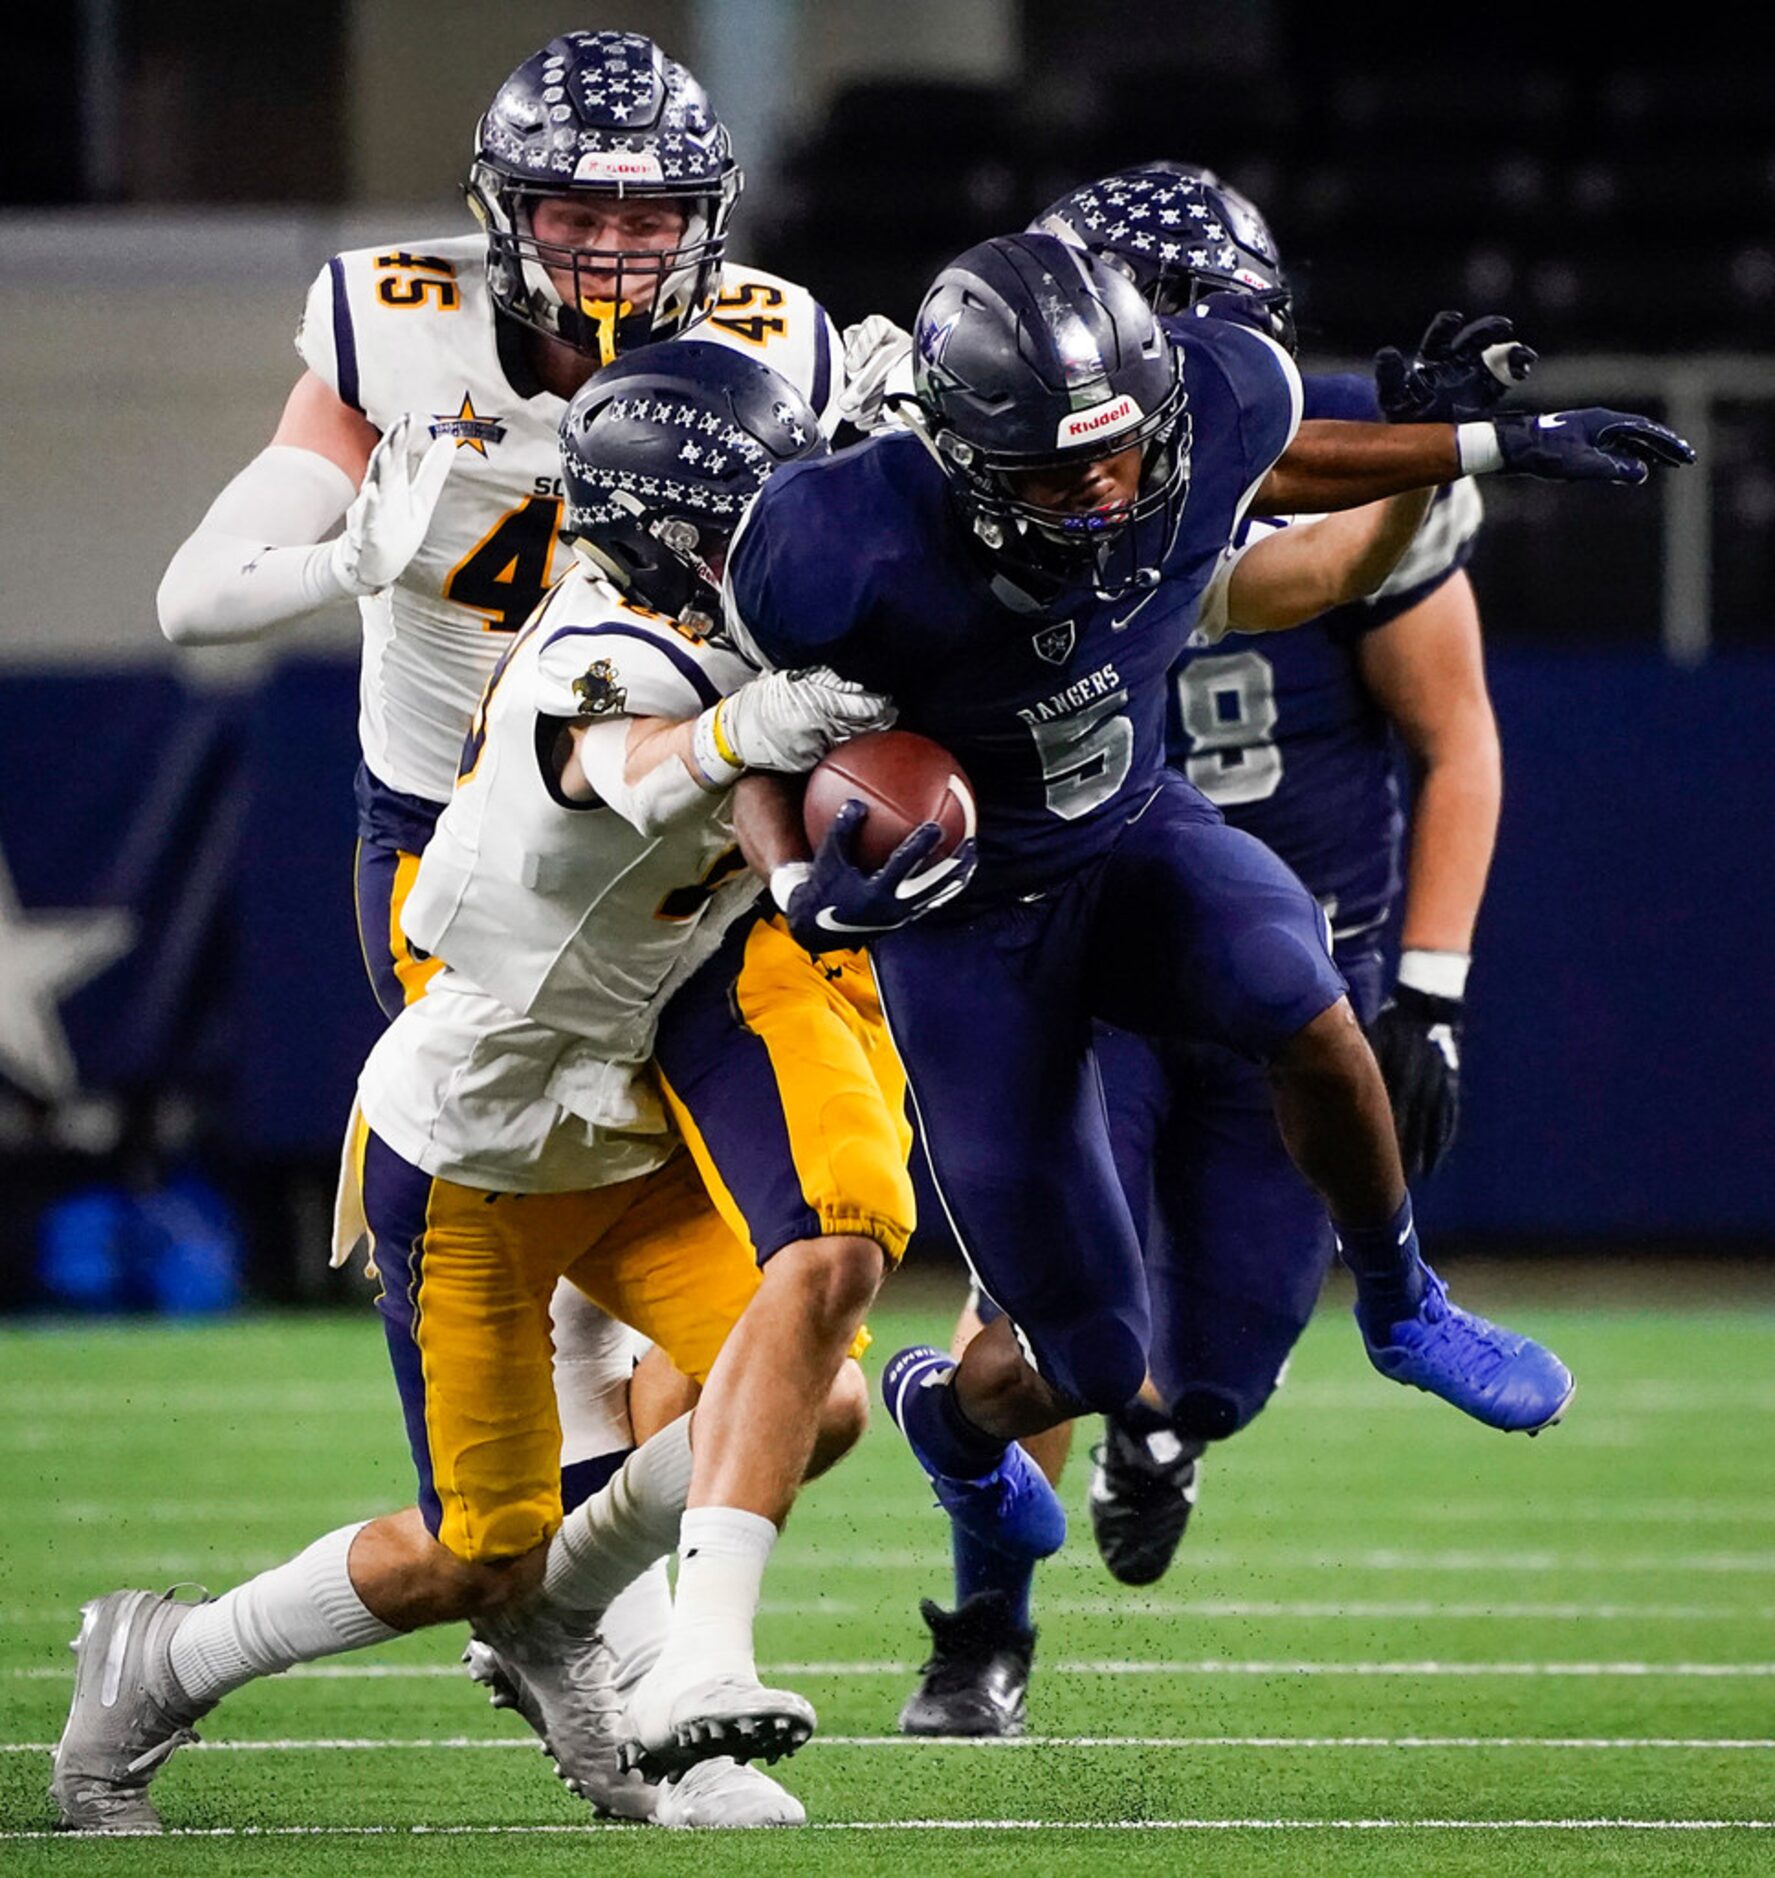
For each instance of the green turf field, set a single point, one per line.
(1394, 1643)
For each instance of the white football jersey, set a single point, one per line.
(562, 926)
(411, 328)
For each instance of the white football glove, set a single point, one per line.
(389, 519)
(789, 720)
(875, 351)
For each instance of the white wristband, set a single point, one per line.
(1477, 449)
(1435, 974)
(718, 771)
(785, 877)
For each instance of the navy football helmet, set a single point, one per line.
(603, 114)
(1178, 232)
(661, 454)
(1033, 354)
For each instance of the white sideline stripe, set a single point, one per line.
(1087, 1666)
(826, 1557)
(948, 1825)
(1412, 1743)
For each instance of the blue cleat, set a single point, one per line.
(1010, 1508)
(1494, 1375)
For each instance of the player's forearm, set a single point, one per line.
(1454, 830)
(767, 821)
(1332, 465)
(645, 768)
(1299, 573)
(258, 557)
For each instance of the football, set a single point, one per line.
(903, 779)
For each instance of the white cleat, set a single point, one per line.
(724, 1792)
(668, 1730)
(127, 1717)
(557, 1677)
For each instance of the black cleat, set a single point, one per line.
(1143, 1490)
(977, 1674)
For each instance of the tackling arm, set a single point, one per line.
(1289, 577)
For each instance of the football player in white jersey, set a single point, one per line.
(438, 370)
(511, 1134)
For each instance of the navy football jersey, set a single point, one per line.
(862, 562)
(1279, 730)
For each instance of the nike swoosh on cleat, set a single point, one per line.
(1549, 422)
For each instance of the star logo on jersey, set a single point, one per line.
(1055, 643)
(471, 430)
(44, 958)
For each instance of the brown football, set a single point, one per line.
(902, 779)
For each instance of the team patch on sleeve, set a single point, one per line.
(621, 668)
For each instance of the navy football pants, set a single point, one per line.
(1184, 931)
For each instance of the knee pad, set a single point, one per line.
(1100, 1364)
(1210, 1414)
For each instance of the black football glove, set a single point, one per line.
(1417, 1042)
(1594, 445)
(836, 905)
(1461, 369)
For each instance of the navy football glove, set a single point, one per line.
(1461, 369)
(1417, 1042)
(836, 905)
(1589, 446)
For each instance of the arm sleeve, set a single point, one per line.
(258, 557)
(1349, 396)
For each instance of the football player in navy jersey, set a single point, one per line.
(1296, 739)
(1020, 572)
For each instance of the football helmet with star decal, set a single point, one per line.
(1032, 354)
(1178, 232)
(661, 454)
(608, 115)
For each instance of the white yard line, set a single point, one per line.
(968, 1825)
(1090, 1666)
(1307, 1743)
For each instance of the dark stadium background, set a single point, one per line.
(172, 176)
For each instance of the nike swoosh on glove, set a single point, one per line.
(836, 905)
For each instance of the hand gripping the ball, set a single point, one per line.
(1594, 445)
(789, 720)
(1461, 369)
(386, 524)
(831, 904)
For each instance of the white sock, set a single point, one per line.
(722, 1553)
(635, 1626)
(291, 1614)
(624, 1527)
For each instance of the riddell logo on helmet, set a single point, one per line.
(619, 166)
(1102, 420)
